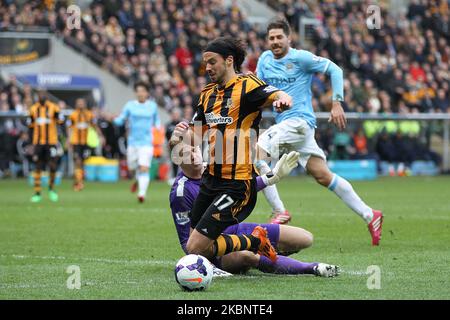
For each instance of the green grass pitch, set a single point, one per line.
(127, 250)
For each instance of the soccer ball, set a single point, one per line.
(194, 272)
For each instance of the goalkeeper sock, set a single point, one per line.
(285, 265)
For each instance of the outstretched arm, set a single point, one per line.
(120, 120)
(280, 101)
(312, 64)
(337, 115)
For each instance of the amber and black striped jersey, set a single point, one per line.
(80, 120)
(230, 117)
(44, 120)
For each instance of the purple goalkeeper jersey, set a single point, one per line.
(182, 196)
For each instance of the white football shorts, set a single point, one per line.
(139, 156)
(292, 134)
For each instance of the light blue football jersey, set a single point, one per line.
(293, 74)
(141, 118)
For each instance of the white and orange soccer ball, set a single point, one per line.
(194, 272)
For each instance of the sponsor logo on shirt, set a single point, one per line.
(213, 119)
(42, 121)
(82, 125)
(280, 81)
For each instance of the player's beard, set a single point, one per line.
(279, 51)
(218, 77)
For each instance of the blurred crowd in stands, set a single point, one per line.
(400, 68)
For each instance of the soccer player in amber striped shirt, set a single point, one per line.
(44, 118)
(79, 123)
(229, 111)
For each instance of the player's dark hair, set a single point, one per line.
(141, 84)
(228, 46)
(279, 23)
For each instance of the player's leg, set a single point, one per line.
(267, 146)
(293, 239)
(78, 171)
(132, 164)
(286, 239)
(197, 242)
(145, 155)
(270, 192)
(38, 166)
(200, 244)
(53, 167)
(289, 240)
(242, 261)
(287, 265)
(87, 151)
(224, 244)
(318, 168)
(228, 207)
(239, 262)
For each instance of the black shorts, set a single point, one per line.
(81, 151)
(222, 203)
(45, 153)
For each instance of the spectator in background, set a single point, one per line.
(24, 152)
(386, 150)
(408, 59)
(441, 102)
(342, 147)
(125, 15)
(111, 135)
(360, 144)
(114, 31)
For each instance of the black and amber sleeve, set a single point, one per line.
(31, 119)
(59, 117)
(258, 93)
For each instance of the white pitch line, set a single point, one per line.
(86, 283)
(354, 272)
(89, 259)
(24, 286)
(96, 209)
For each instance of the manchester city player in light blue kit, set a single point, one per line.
(141, 116)
(291, 70)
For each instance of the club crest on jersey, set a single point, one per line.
(229, 103)
(289, 66)
(213, 119)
